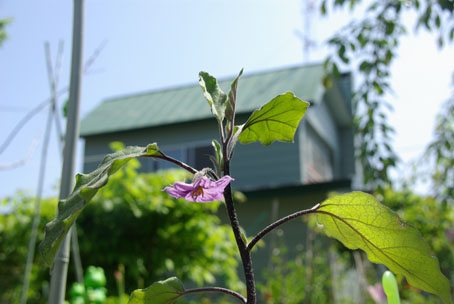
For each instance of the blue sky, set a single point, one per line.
(157, 44)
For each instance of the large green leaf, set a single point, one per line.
(162, 292)
(86, 187)
(276, 120)
(213, 94)
(359, 221)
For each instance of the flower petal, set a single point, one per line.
(224, 181)
(179, 189)
(205, 183)
(202, 191)
(183, 186)
(173, 192)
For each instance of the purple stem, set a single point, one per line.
(175, 161)
(242, 246)
(270, 227)
(217, 289)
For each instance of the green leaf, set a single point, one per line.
(323, 8)
(213, 93)
(162, 292)
(341, 53)
(359, 221)
(276, 120)
(218, 150)
(219, 160)
(231, 100)
(86, 187)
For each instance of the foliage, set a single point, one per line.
(86, 187)
(293, 280)
(440, 153)
(155, 238)
(371, 44)
(92, 291)
(358, 220)
(3, 35)
(432, 218)
(15, 231)
(154, 235)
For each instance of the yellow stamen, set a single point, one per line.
(195, 193)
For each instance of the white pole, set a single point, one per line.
(60, 270)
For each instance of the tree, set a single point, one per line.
(440, 153)
(14, 235)
(371, 43)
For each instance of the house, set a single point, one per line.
(277, 180)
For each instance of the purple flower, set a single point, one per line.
(203, 190)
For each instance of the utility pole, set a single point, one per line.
(60, 267)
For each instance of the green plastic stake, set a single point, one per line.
(390, 286)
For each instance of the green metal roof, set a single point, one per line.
(187, 103)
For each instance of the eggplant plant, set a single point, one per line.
(356, 219)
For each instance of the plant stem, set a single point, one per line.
(242, 247)
(175, 161)
(274, 225)
(217, 289)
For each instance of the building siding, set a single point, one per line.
(253, 165)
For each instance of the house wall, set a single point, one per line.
(253, 165)
(323, 144)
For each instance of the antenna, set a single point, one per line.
(305, 34)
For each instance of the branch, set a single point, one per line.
(93, 57)
(217, 289)
(43, 104)
(270, 227)
(21, 123)
(24, 160)
(53, 76)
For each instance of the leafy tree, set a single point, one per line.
(15, 232)
(440, 153)
(371, 44)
